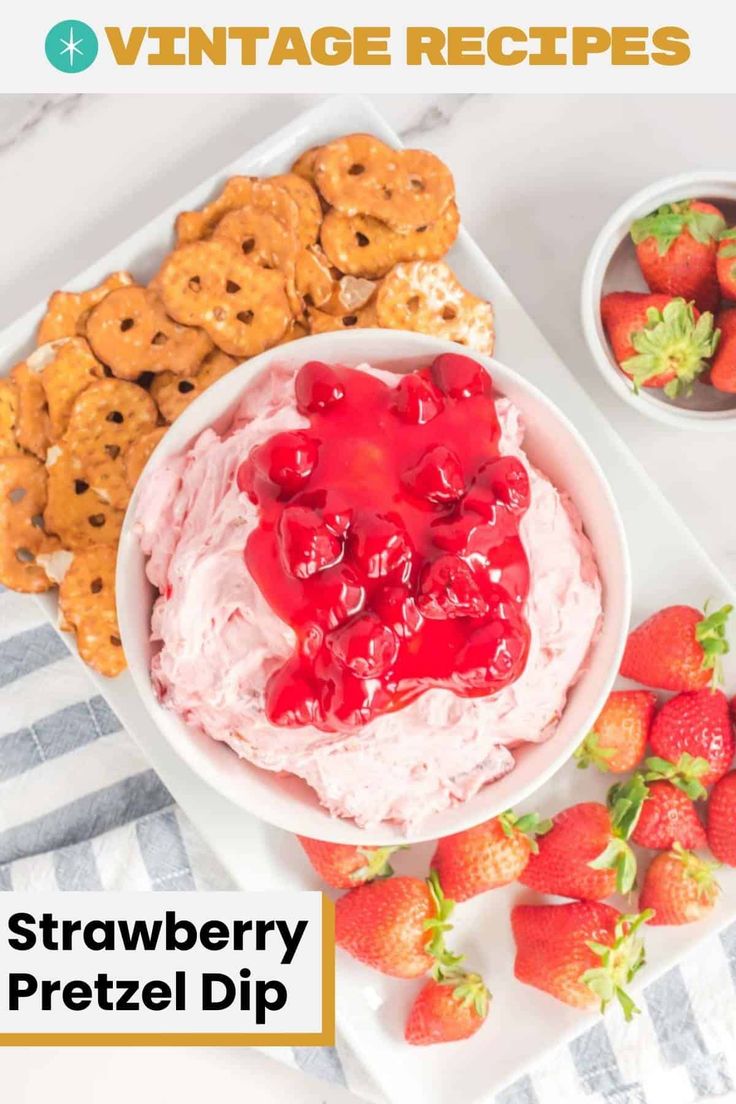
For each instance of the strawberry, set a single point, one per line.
(697, 722)
(396, 925)
(490, 855)
(722, 819)
(677, 648)
(658, 341)
(343, 866)
(581, 856)
(723, 369)
(618, 739)
(452, 1005)
(655, 810)
(726, 263)
(676, 249)
(679, 887)
(582, 953)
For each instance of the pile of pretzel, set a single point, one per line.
(352, 236)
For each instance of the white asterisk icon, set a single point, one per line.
(71, 46)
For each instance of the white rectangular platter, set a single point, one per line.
(668, 566)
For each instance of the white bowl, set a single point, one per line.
(551, 443)
(612, 266)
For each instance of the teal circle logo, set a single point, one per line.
(71, 46)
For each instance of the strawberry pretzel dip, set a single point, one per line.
(363, 582)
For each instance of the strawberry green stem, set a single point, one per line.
(685, 774)
(672, 344)
(439, 924)
(467, 988)
(591, 754)
(710, 633)
(377, 863)
(619, 962)
(670, 220)
(530, 825)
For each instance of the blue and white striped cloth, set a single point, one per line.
(81, 809)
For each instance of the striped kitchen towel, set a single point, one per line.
(81, 809)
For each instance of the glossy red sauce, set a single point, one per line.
(388, 540)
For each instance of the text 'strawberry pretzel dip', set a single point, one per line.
(364, 582)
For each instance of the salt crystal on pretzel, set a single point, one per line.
(427, 297)
(67, 310)
(243, 308)
(22, 538)
(105, 419)
(364, 246)
(130, 331)
(406, 189)
(87, 608)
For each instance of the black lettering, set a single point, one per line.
(214, 935)
(212, 1003)
(20, 924)
(20, 986)
(264, 1003)
(291, 939)
(156, 995)
(77, 995)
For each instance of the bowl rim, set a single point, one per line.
(339, 829)
(613, 232)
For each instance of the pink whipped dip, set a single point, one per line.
(218, 640)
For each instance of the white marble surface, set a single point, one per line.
(536, 177)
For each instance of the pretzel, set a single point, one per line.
(68, 367)
(66, 310)
(131, 332)
(307, 202)
(243, 308)
(360, 175)
(321, 322)
(363, 246)
(87, 608)
(22, 539)
(426, 296)
(265, 241)
(8, 413)
(315, 280)
(239, 191)
(74, 512)
(104, 420)
(32, 426)
(138, 453)
(304, 164)
(172, 394)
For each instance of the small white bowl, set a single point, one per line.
(552, 444)
(612, 266)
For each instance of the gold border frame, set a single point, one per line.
(325, 1037)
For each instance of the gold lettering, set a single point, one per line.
(213, 47)
(671, 46)
(465, 46)
(495, 46)
(629, 45)
(248, 37)
(125, 53)
(289, 46)
(548, 38)
(587, 41)
(167, 37)
(425, 43)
